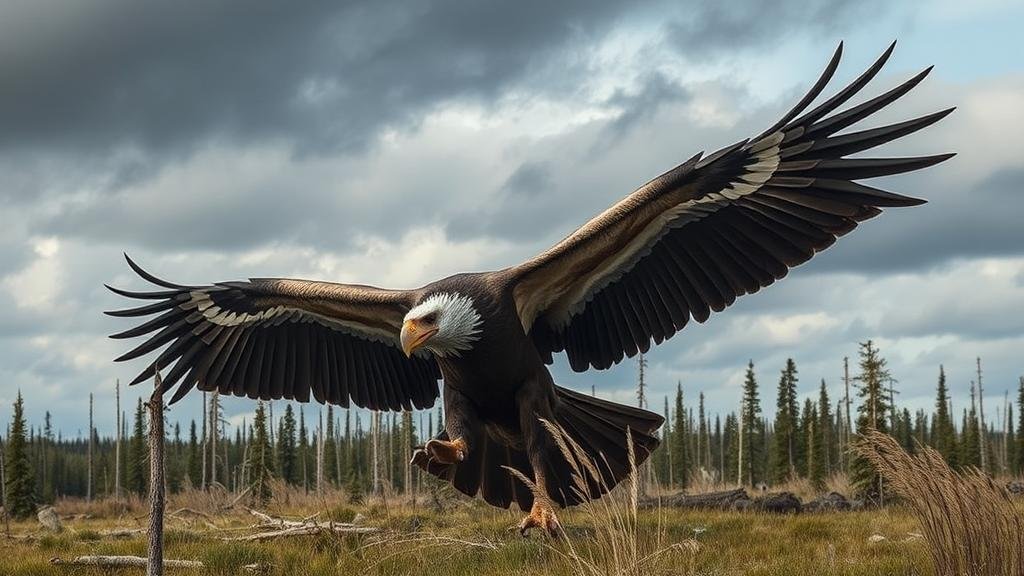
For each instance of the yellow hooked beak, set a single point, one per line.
(414, 335)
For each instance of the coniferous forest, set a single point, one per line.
(314, 449)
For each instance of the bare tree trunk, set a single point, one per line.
(848, 424)
(305, 453)
(88, 481)
(117, 441)
(739, 463)
(3, 485)
(391, 452)
(374, 433)
(1006, 432)
(270, 419)
(204, 435)
(337, 450)
(983, 431)
(406, 429)
(320, 456)
(155, 567)
(214, 420)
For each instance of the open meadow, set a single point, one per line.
(471, 538)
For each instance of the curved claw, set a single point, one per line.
(542, 515)
(446, 452)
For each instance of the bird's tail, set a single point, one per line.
(597, 429)
(596, 454)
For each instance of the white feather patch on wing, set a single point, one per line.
(202, 303)
(762, 166)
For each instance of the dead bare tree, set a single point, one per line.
(88, 480)
(214, 422)
(155, 567)
(117, 441)
(320, 455)
(374, 440)
(848, 423)
(982, 430)
(202, 483)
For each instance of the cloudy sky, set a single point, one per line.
(396, 142)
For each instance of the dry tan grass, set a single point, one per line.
(618, 545)
(971, 526)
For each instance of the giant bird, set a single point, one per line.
(680, 247)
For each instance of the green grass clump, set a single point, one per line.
(223, 558)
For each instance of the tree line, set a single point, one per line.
(808, 438)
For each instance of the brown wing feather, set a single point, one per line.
(274, 338)
(691, 241)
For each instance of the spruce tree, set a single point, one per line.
(816, 447)
(195, 463)
(174, 464)
(703, 440)
(872, 414)
(784, 461)
(805, 432)
(905, 431)
(920, 428)
(138, 465)
(680, 458)
(753, 430)
(260, 458)
(970, 445)
(19, 484)
(824, 427)
(943, 432)
(49, 459)
(287, 457)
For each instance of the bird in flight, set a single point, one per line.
(680, 247)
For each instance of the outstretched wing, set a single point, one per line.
(692, 240)
(272, 338)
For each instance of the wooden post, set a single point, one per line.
(155, 566)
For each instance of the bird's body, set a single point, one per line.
(682, 246)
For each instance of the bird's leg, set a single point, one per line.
(542, 513)
(446, 452)
(462, 426)
(437, 451)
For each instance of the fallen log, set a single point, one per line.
(779, 503)
(122, 562)
(725, 500)
(306, 527)
(310, 530)
(122, 532)
(831, 502)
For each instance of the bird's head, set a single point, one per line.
(444, 323)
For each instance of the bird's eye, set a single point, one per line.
(430, 318)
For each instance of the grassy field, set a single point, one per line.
(471, 538)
